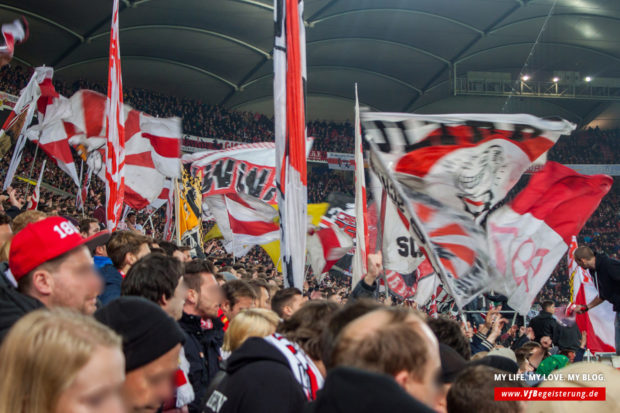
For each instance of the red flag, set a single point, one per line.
(529, 236)
(115, 126)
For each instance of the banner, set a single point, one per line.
(341, 161)
(190, 213)
(248, 168)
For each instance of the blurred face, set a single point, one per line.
(174, 305)
(293, 305)
(210, 296)
(427, 390)
(97, 386)
(92, 229)
(243, 303)
(147, 387)
(264, 301)
(75, 284)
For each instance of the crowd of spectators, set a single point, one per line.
(586, 146)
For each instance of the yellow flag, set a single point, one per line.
(315, 212)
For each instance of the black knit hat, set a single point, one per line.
(452, 363)
(148, 332)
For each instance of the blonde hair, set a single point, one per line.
(254, 322)
(42, 354)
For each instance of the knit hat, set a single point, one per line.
(498, 362)
(148, 332)
(451, 363)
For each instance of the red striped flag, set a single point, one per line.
(290, 130)
(115, 126)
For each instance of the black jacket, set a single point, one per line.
(363, 290)
(258, 380)
(607, 279)
(13, 304)
(194, 352)
(353, 390)
(545, 325)
(212, 341)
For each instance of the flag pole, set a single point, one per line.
(176, 212)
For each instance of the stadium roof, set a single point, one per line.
(402, 53)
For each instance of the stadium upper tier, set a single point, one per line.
(590, 146)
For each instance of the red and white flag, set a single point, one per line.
(36, 195)
(152, 145)
(445, 172)
(244, 221)
(115, 127)
(289, 61)
(529, 236)
(426, 283)
(360, 259)
(597, 322)
(325, 247)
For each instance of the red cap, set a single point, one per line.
(42, 241)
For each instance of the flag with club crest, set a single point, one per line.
(445, 172)
(529, 236)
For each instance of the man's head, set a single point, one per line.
(449, 332)
(159, 279)
(473, 391)
(285, 302)
(152, 341)
(548, 306)
(262, 292)
(183, 253)
(125, 248)
(396, 342)
(584, 257)
(204, 295)
(534, 354)
(238, 296)
(51, 262)
(89, 227)
(131, 218)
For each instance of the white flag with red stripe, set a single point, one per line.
(360, 259)
(36, 195)
(326, 246)
(115, 127)
(289, 61)
(445, 172)
(529, 236)
(597, 322)
(244, 221)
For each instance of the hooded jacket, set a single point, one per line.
(13, 304)
(351, 390)
(258, 380)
